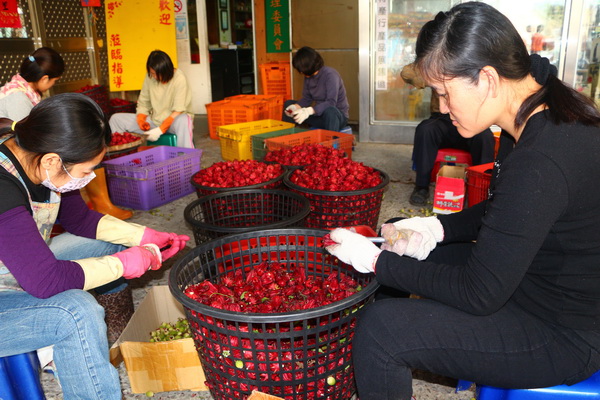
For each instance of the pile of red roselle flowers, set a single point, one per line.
(271, 288)
(226, 174)
(119, 138)
(304, 154)
(116, 102)
(337, 175)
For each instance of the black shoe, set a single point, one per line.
(419, 196)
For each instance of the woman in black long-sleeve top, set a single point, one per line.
(512, 285)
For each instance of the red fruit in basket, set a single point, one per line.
(236, 173)
(271, 287)
(119, 138)
(338, 174)
(304, 154)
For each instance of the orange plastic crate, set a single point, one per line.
(327, 138)
(275, 79)
(227, 112)
(274, 103)
(478, 183)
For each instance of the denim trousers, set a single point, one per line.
(509, 348)
(71, 321)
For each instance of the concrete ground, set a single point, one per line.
(394, 159)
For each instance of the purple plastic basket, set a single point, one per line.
(152, 177)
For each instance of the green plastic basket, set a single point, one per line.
(259, 150)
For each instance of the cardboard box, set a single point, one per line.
(160, 366)
(256, 395)
(449, 195)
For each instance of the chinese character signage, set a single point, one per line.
(134, 28)
(9, 15)
(381, 32)
(277, 15)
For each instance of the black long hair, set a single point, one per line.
(71, 125)
(161, 63)
(46, 61)
(307, 61)
(472, 35)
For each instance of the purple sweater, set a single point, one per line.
(27, 255)
(325, 89)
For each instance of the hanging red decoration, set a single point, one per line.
(9, 14)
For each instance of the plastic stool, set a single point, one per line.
(20, 377)
(166, 139)
(450, 157)
(584, 390)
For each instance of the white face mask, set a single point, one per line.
(73, 184)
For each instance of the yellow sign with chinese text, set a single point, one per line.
(134, 28)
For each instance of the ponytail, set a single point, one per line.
(565, 104)
(43, 61)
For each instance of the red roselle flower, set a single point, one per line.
(337, 174)
(304, 154)
(271, 288)
(226, 174)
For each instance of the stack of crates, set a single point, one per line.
(242, 108)
(275, 79)
(236, 138)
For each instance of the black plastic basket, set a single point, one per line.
(298, 355)
(246, 210)
(129, 107)
(202, 190)
(99, 93)
(338, 209)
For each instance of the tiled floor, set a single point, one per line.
(391, 158)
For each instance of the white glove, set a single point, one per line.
(301, 114)
(354, 249)
(154, 134)
(289, 110)
(413, 237)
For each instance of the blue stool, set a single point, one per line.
(584, 390)
(166, 139)
(20, 377)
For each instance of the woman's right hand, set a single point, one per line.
(139, 259)
(142, 123)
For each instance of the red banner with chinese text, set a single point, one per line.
(9, 14)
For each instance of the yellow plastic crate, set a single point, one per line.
(236, 141)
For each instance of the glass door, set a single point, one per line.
(567, 32)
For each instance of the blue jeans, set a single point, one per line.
(72, 321)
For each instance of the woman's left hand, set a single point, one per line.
(354, 249)
(169, 243)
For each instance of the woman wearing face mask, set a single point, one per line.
(38, 73)
(510, 285)
(44, 159)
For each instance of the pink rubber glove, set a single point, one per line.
(170, 243)
(139, 259)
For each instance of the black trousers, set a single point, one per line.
(437, 132)
(509, 348)
(331, 119)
